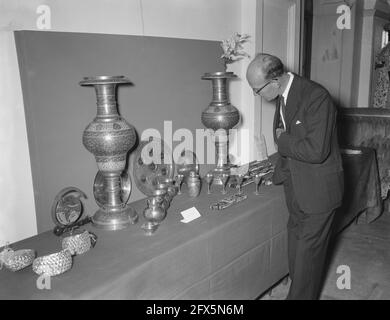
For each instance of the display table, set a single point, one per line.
(237, 253)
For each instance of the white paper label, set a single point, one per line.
(190, 215)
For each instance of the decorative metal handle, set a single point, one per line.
(58, 231)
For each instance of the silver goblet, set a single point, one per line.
(224, 179)
(209, 180)
(240, 179)
(257, 179)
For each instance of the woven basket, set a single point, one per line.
(53, 264)
(78, 243)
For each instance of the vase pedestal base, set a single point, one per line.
(115, 219)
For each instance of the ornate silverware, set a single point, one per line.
(194, 184)
(257, 180)
(186, 163)
(161, 194)
(263, 167)
(220, 116)
(67, 210)
(240, 179)
(101, 197)
(179, 181)
(109, 138)
(167, 197)
(79, 242)
(58, 231)
(154, 214)
(170, 187)
(224, 178)
(67, 206)
(209, 180)
(227, 202)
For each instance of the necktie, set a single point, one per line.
(283, 112)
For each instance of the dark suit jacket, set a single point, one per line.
(309, 149)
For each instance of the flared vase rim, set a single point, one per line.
(219, 75)
(92, 80)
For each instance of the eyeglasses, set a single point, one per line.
(257, 91)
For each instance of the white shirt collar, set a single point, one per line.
(287, 90)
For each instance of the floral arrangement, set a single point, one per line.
(233, 48)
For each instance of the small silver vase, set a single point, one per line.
(154, 214)
(109, 138)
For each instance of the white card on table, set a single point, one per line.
(190, 215)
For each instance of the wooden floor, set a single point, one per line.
(365, 249)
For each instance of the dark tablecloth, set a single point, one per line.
(237, 253)
(362, 196)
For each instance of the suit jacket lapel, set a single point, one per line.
(293, 101)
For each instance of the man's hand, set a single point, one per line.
(279, 131)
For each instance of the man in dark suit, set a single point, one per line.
(309, 167)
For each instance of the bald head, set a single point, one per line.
(264, 67)
(266, 76)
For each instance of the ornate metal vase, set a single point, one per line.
(109, 138)
(220, 116)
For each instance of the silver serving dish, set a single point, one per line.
(152, 161)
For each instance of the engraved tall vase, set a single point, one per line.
(220, 116)
(109, 138)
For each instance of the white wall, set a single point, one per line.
(190, 19)
(376, 15)
(343, 60)
(278, 33)
(17, 210)
(332, 53)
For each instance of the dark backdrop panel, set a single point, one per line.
(166, 76)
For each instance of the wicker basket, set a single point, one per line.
(17, 260)
(79, 243)
(53, 264)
